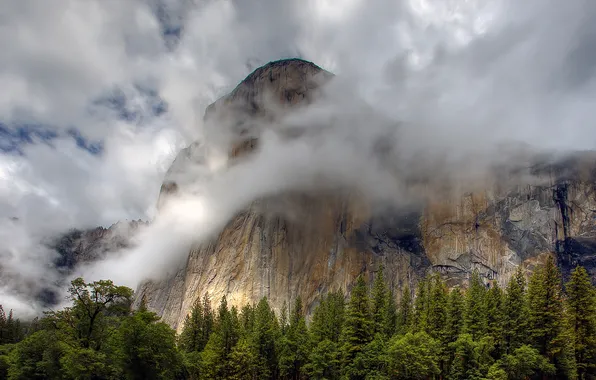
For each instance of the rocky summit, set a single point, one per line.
(334, 238)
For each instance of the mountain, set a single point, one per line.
(308, 243)
(79, 247)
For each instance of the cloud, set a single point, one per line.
(120, 87)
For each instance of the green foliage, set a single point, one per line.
(145, 348)
(294, 344)
(479, 333)
(455, 312)
(437, 308)
(379, 303)
(36, 357)
(471, 359)
(4, 360)
(516, 312)
(215, 363)
(475, 316)
(548, 326)
(328, 318)
(413, 356)
(495, 316)
(11, 329)
(198, 326)
(421, 303)
(88, 320)
(581, 306)
(324, 361)
(391, 315)
(244, 360)
(265, 334)
(524, 363)
(405, 317)
(371, 362)
(358, 323)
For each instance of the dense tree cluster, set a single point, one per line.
(535, 330)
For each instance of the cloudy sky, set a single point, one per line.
(98, 96)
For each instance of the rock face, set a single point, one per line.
(78, 247)
(332, 238)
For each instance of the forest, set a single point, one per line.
(541, 328)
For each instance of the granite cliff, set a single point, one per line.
(331, 238)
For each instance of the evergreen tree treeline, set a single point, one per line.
(533, 330)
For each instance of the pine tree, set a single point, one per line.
(379, 307)
(437, 317)
(10, 330)
(391, 315)
(455, 312)
(324, 361)
(413, 356)
(371, 362)
(547, 325)
(283, 319)
(475, 312)
(191, 338)
(294, 344)
(247, 320)
(421, 306)
(437, 312)
(465, 364)
(244, 360)
(328, 318)
(264, 337)
(357, 326)
(496, 318)
(581, 303)
(3, 327)
(516, 312)
(215, 362)
(405, 318)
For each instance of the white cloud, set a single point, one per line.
(462, 75)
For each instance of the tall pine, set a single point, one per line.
(294, 344)
(198, 326)
(380, 303)
(516, 312)
(547, 325)
(475, 312)
(357, 332)
(405, 317)
(581, 306)
(455, 311)
(495, 316)
(421, 305)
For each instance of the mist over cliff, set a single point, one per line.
(429, 100)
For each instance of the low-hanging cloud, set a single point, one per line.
(452, 80)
